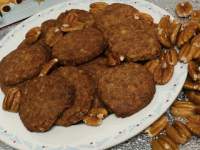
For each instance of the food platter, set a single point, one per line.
(113, 130)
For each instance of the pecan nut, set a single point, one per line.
(182, 109)
(95, 117)
(168, 143)
(193, 70)
(190, 85)
(184, 9)
(155, 145)
(33, 35)
(193, 127)
(163, 73)
(48, 66)
(11, 101)
(175, 28)
(185, 54)
(195, 16)
(52, 36)
(164, 31)
(196, 46)
(176, 135)
(157, 126)
(194, 97)
(194, 119)
(171, 57)
(187, 32)
(152, 64)
(98, 7)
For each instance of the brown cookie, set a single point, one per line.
(126, 89)
(84, 95)
(22, 64)
(79, 47)
(114, 14)
(43, 101)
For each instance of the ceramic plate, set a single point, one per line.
(81, 137)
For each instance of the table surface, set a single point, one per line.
(140, 142)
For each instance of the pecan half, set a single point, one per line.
(194, 119)
(52, 36)
(33, 35)
(48, 66)
(182, 109)
(164, 31)
(11, 101)
(167, 143)
(187, 32)
(163, 72)
(185, 54)
(156, 145)
(195, 16)
(190, 85)
(171, 56)
(196, 47)
(95, 117)
(193, 127)
(175, 28)
(193, 70)
(98, 7)
(194, 96)
(176, 135)
(184, 9)
(157, 126)
(152, 64)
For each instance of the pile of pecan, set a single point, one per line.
(181, 42)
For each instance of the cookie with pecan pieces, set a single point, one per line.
(78, 47)
(83, 96)
(126, 89)
(43, 101)
(22, 64)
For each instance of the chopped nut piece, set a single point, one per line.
(163, 73)
(171, 56)
(12, 100)
(194, 97)
(33, 35)
(187, 32)
(95, 117)
(194, 128)
(164, 31)
(193, 70)
(185, 54)
(98, 7)
(195, 16)
(184, 9)
(48, 66)
(157, 126)
(176, 26)
(192, 85)
(152, 64)
(175, 135)
(52, 36)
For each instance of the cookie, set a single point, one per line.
(126, 89)
(43, 101)
(78, 47)
(84, 95)
(22, 64)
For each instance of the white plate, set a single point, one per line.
(81, 137)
